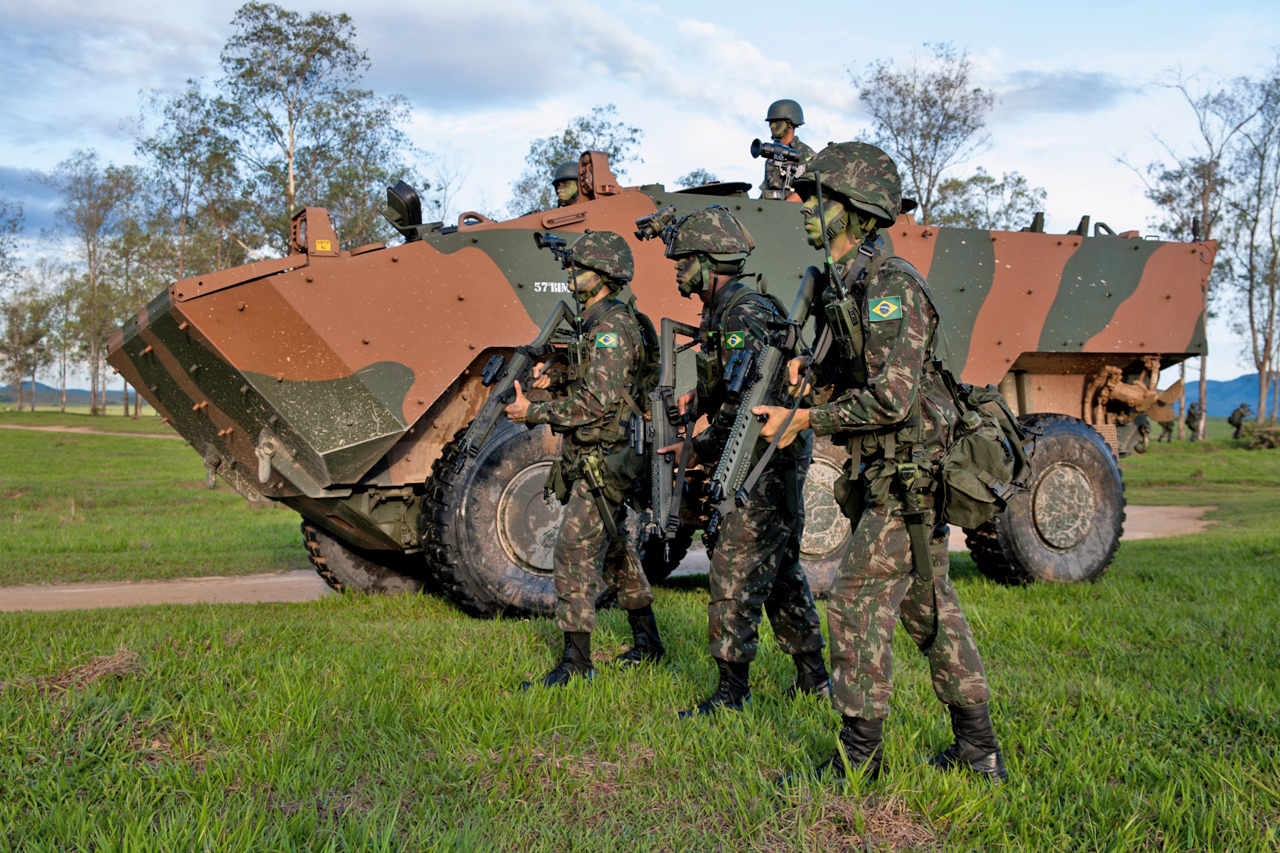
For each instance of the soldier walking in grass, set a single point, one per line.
(1237, 418)
(1193, 422)
(892, 406)
(755, 563)
(594, 400)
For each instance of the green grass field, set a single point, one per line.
(77, 506)
(1140, 712)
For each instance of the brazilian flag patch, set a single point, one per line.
(735, 340)
(606, 339)
(888, 308)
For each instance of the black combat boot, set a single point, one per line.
(646, 645)
(576, 661)
(975, 746)
(732, 693)
(861, 743)
(811, 676)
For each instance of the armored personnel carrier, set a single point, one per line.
(338, 381)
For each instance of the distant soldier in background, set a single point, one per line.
(1166, 429)
(1193, 422)
(593, 479)
(565, 182)
(1237, 418)
(784, 117)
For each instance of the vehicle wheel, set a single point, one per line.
(1067, 526)
(488, 531)
(347, 568)
(826, 530)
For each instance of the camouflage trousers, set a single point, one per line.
(756, 564)
(585, 557)
(876, 587)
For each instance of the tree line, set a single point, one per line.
(1226, 187)
(224, 163)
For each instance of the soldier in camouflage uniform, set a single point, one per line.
(756, 560)
(892, 406)
(783, 117)
(1238, 417)
(1193, 422)
(565, 183)
(594, 400)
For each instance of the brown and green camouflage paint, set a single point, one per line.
(359, 366)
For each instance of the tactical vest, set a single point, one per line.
(712, 334)
(980, 455)
(613, 427)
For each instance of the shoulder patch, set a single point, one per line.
(885, 308)
(606, 339)
(735, 340)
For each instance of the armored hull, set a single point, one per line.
(334, 381)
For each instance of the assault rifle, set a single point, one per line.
(666, 470)
(764, 382)
(502, 377)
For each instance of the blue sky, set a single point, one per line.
(1078, 83)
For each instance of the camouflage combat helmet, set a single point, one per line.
(718, 238)
(714, 232)
(786, 109)
(862, 174)
(606, 253)
(566, 171)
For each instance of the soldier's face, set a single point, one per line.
(567, 191)
(582, 281)
(686, 269)
(813, 225)
(778, 128)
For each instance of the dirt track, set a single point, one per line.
(1143, 522)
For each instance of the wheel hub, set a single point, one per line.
(527, 522)
(1064, 507)
(825, 527)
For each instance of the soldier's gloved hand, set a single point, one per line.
(776, 415)
(518, 409)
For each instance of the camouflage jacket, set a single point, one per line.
(773, 172)
(613, 356)
(899, 325)
(735, 319)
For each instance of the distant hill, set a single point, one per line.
(1225, 395)
(48, 396)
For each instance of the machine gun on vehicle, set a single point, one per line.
(761, 381)
(790, 163)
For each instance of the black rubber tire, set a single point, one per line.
(349, 569)
(826, 531)
(487, 530)
(1066, 527)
